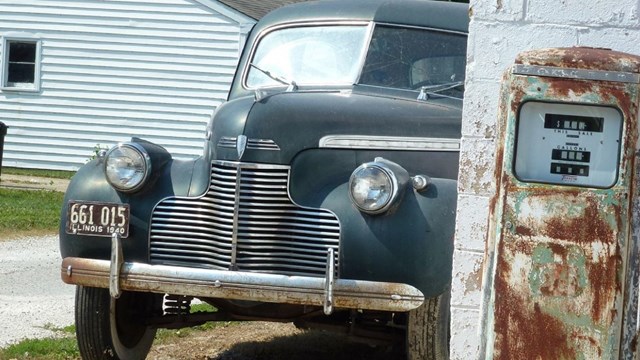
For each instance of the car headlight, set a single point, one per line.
(375, 186)
(127, 167)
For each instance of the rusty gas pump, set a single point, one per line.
(561, 275)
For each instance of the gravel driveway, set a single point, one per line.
(32, 296)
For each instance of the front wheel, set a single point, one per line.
(108, 328)
(428, 329)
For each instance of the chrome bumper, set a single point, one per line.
(330, 293)
(351, 294)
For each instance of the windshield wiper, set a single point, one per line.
(426, 91)
(291, 85)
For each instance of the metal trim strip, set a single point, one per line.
(253, 144)
(581, 74)
(389, 143)
(236, 210)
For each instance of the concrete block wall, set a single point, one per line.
(499, 30)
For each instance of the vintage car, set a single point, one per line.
(325, 194)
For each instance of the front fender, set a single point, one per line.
(169, 177)
(411, 244)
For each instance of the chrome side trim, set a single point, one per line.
(582, 74)
(228, 142)
(389, 143)
(262, 144)
(246, 143)
(302, 290)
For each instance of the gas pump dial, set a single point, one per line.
(568, 144)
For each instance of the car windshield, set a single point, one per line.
(416, 59)
(423, 60)
(311, 55)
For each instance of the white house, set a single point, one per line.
(75, 74)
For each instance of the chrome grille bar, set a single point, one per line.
(245, 221)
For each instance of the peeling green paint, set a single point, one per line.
(558, 274)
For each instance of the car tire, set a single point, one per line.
(427, 335)
(108, 328)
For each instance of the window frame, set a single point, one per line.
(4, 61)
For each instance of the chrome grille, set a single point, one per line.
(246, 221)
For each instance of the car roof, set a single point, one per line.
(424, 13)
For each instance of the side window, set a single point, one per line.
(20, 64)
(409, 58)
(437, 70)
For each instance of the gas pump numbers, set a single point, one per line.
(573, 122)
(568, 144)
(579, 156)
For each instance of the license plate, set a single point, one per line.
(97, 218)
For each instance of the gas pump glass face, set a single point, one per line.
(568, 144)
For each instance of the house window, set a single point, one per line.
(21, 65)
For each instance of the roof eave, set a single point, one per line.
(227, 11)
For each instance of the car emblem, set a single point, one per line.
(241, 145)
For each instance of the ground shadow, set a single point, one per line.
(309, 345)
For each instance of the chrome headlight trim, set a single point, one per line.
(134, 174)
(394, 181)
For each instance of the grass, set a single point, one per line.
(56, 174)
(65, 347)
(43, 349)
(29, 211)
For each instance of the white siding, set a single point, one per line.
(112, 69)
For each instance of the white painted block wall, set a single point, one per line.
(499, 30)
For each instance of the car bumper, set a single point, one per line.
(330, 293)
(351, 294)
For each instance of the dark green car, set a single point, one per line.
(325, 194)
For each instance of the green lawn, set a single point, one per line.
(29, 211)
(56, 174)
(42, 349)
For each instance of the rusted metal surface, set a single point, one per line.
(631, 328)
(351, 294)
(558, 283)
(558, 288)
(584, 58)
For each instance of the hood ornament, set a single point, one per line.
(241, 145)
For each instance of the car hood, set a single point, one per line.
(276, 128)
